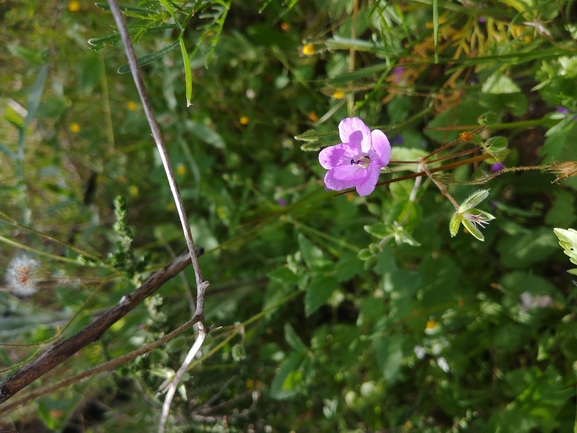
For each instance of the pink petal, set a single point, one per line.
(344, 177)
(334, 156)
(382, 146)
(353, 130)
(370, 182)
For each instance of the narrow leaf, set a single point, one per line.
(187, 71)
(149, 58)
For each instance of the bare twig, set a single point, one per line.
(202, 333)
(65, 349)
(201, 284)
(112, 364)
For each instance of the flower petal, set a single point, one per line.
(333, 156)
(353, 130)
(382, 146)
(372, 173)
(473, 229)
(344, 177)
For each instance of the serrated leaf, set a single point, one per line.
(499, 83)
(312, 255)
(488, 118)
(149, 58)
(379, 230)
(284, 275)
(318, 291)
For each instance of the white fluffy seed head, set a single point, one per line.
(20, 275)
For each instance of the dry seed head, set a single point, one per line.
(563, 170)
(20, 275)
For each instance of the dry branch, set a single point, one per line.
(65, 349)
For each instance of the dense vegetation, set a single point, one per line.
(331, 312)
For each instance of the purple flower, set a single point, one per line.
(497, 167)
(562, 110)
(358, 160)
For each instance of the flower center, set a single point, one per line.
(362, 160)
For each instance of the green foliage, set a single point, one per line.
(331, 312)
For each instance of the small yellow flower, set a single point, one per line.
(431, 324)
(339, 94)
(308, 50)
(244, 120)
(74, 127)
(466, 136)
(313, 116)
(170, 207)
(181, 169)
(285, 26)
(133, 190)
(131, 106)
(74, 6)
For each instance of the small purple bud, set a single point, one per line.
(281, 202)
(562, 110)
(497, 167)
(481, 20)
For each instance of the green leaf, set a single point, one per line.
(281, 388)
(379, 230)
(488, 118)
(122, 7)
(347, 267)
(90, 72)
(318, 291)
(205, 133)
(292, 339)
(284, 275)
(8, 152)
(364, 254)
(312, 255)
(568, 241)
(149, 58)
(386, 261)
(523, 250)
(499, 83)
(172, 13)
(562, 212)
(187, 71)
(389, 351)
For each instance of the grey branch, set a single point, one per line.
(65, 349)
